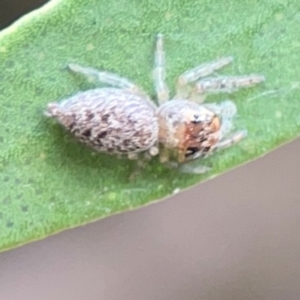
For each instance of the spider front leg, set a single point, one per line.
(226, 110)
(105, 77)
(192, 75)
(226, 84)
(233, 139)
(159, 72)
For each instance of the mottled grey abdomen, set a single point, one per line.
(109, 119)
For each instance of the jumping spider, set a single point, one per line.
(124, 120)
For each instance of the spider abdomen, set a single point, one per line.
(109, 119)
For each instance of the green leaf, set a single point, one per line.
(49, 182)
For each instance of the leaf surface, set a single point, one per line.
(49, 182)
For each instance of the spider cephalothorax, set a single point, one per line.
(124, 120)
(190, 130)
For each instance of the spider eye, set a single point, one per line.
(206, 149)
(190, 151)
(196, 119)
